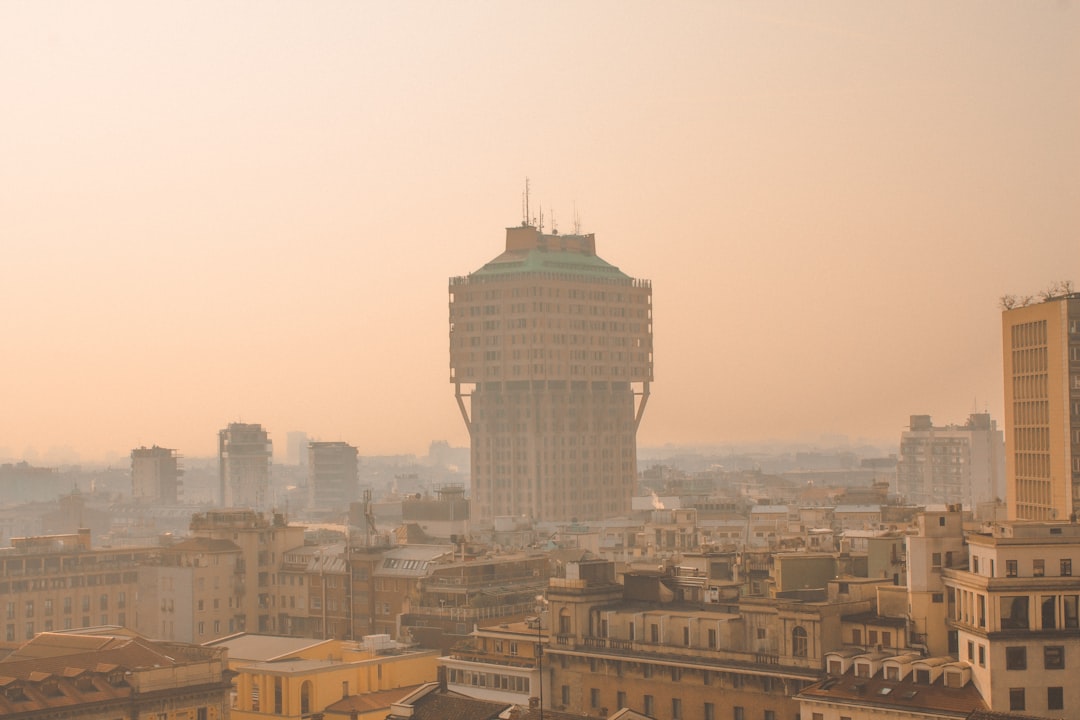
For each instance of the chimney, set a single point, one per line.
(344, 689)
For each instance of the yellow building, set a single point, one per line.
(1042, 408)
(551, 359)
(297, 686)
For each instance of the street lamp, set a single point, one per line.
(541, 601)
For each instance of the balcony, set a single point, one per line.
(680, 653)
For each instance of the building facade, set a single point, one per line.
(155, 475)
(1015, 613)
(1042, 408)
(244, 454)
(953, 464)
(57, 582)
(333, 481)
(551, 359)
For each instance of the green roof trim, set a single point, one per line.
(550, 261)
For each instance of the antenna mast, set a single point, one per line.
(577, 220)
(525, 220)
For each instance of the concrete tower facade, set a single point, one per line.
(244, 453)
(155, 475)
(952, 464)
(333, 479)
(551, 359)
(1042, 408)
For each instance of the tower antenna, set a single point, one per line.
(554, 225)
(541, 217)
(525, 221)
(577, 220)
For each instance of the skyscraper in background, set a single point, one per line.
(551, 359)
(244, 454)
(1042, 408)
(333, 481)
(155, 475)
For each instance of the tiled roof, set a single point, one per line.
(369, 702)
(201, 544)
(451, 706)
(904, 694)
(262, 648)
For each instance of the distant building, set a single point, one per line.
(296, 447)
(244, 455)
(953, 464)
(105, 676)
(551, 359)
(333, 481)
(155, 475)
(1042, 408)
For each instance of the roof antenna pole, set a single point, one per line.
(526, 201)
(541, 218)
(577, 220)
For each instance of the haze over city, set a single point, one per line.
(239, 211)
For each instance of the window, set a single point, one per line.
(1016, 658)
(1038, 568)
(937, 597)
(712, 638)
(1010, 568)
(799, 645)
(676, 674)
(1014, 612)
(975, 564)
(646, 671)
(1070, 605)
(710, 711)
(770, 715)
(761, 633)
(971, 651)
(856, 637)
(686, 636)
(935, 559)
(654, 633)
(1066, 567)
(676, 709)
(886, 639)
(1055, 698)
(1049, 612)
(648, 703)
(620, 699)
(565, 694)
(1054, 657)
(594, 697)
(737, 713)
(1016, 699)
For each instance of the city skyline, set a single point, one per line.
(213, 215)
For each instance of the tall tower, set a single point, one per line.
(1042, 408)
(155, 475)
(244, 453)
(333, 479)
(551, 358)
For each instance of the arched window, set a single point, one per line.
(798, 641)
(305, 697)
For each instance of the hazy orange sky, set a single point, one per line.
(221, 211)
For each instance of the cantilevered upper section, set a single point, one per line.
(549, 309)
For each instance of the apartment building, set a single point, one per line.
(1015, 612)
(59, 582)
(951, 464)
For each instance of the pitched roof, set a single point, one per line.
(369, 702)
(903, 694)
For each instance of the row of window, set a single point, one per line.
(1055, 699)
(47, 606)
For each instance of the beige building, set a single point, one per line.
(58, 582)
(551, 359)
(1015, 610)
(951, 464)
(155, 475)
(263, 541)
(192, 591)
(1042, 408)
(660, 644)
(244, 455)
